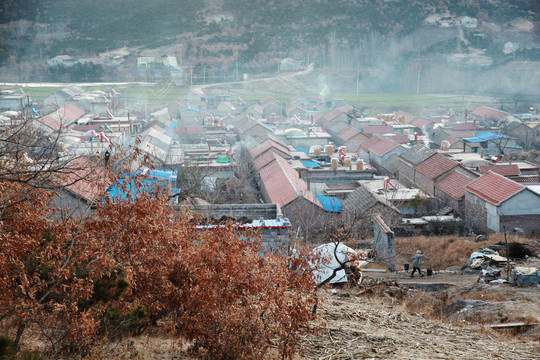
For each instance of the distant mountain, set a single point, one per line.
(215, 36)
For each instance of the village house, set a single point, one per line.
(495, 203)
(254, 129)
(359, 207)
(280, 184)
(383, 156)
(272, 146)
(521, 131)
(58, 99)
(350, 137)
(16, 101)
(492, 144)
(451, 189)
(83, 183)
(432, 170)
(488, 117)
(409, 159)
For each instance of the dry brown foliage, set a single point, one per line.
(134, 264)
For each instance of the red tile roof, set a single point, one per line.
(370, 142)
(267, 145)
(71, 112)
(489, 113)
(51, 122)
(400, 139)
(504, 170)
(86, 127)
(420, 122)
(283, 184)
(383, 147)
(84, 178)
(348, 133)
(329, 116)
(378, 129)
(264, 159)
(435, 166)
(454, 184)
(408, 117)
(493, 188)
(464, 126)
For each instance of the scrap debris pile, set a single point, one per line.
(491, 264)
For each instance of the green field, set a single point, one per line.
(167, 94)
(152, 94)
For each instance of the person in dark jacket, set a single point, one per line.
(416, 263)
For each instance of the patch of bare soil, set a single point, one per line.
(360, 327)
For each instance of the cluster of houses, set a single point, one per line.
(318, 163)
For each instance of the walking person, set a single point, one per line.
(416, 263)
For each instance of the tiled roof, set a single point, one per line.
(335, 127)
(329, 116)
(504, 170)
(84, 178)
(400, 139)
(71, 112)
(51, 122)
(462, 134)
(464, 126)
(264, 159)
(454, 184)
(267, 145)
(417, 154)
(86, 127)
(283, 184)
(383, 147)
(408, 117)
(452, 140)
(378, 129)
(362, 199)
(370, 142)
(493, 188)
(489, 113)
(420, 122)
(391, 164)
(435, 166)
(348, 133)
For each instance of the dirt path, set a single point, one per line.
(363, 328)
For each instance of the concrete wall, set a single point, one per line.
(424, 182)
(384, 243)
(475, 212)
(406, 173)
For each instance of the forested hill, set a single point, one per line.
(253, 32)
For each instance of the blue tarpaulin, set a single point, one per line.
(302, 149)
(310, 164)
(329, 203)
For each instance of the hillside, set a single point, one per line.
(215, 39)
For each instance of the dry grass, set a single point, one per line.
(442, 252)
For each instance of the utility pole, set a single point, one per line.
(237, 71)
(357, 74)
(418, 82)
(204, 75)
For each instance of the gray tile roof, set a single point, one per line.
(391, 164)
(363, 199)
(417, 154)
